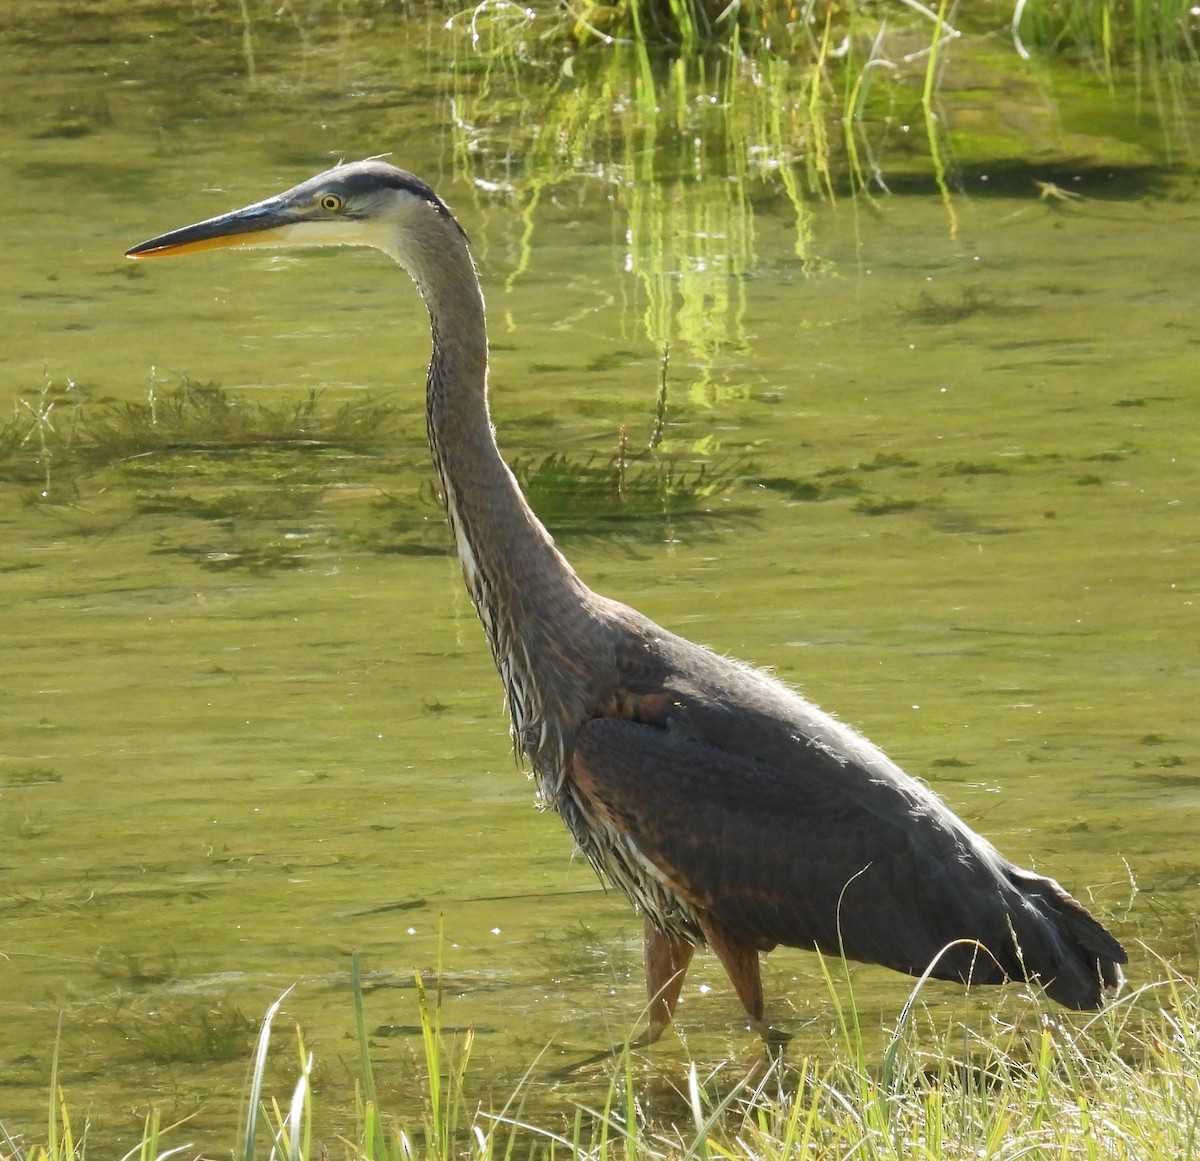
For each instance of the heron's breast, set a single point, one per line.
(616, 856)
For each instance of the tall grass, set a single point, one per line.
(1113, 32)
(1109, 33)
(690, 27)
(1124, 1084)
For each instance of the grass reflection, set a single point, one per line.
(697, 152)
(689, 154)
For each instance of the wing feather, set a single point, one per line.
(778, 856)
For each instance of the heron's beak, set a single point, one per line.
(262, 224)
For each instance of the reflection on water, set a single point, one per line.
(250, 722)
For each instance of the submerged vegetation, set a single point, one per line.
(232, 482)
(253, 470)
(1121, 1085)
(61, 433)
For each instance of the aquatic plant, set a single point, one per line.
(686, 28)
(62, 431)
(1109, 33)
(693, 149)
(587, 496)
(258, 474)
(190, 1031)
(690, 154)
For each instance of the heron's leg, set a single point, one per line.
(740, 962)
(667, 962)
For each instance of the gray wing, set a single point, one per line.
(787, 856)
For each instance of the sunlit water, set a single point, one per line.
(250, 723)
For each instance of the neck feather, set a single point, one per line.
(528, 597)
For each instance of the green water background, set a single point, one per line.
(249, 721)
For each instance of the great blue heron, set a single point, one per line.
(731, 811)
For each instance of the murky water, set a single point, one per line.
(249, 721)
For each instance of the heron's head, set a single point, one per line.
(364, 203)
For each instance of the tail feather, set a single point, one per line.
(1085, 960)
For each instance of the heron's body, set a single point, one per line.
(732, 811)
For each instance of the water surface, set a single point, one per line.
(250, 721)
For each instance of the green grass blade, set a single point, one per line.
(375, 1141)
(258, 1071)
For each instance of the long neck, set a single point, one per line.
(533, 606)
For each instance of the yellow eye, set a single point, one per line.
(331, 202)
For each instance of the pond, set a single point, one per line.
(929, 451)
